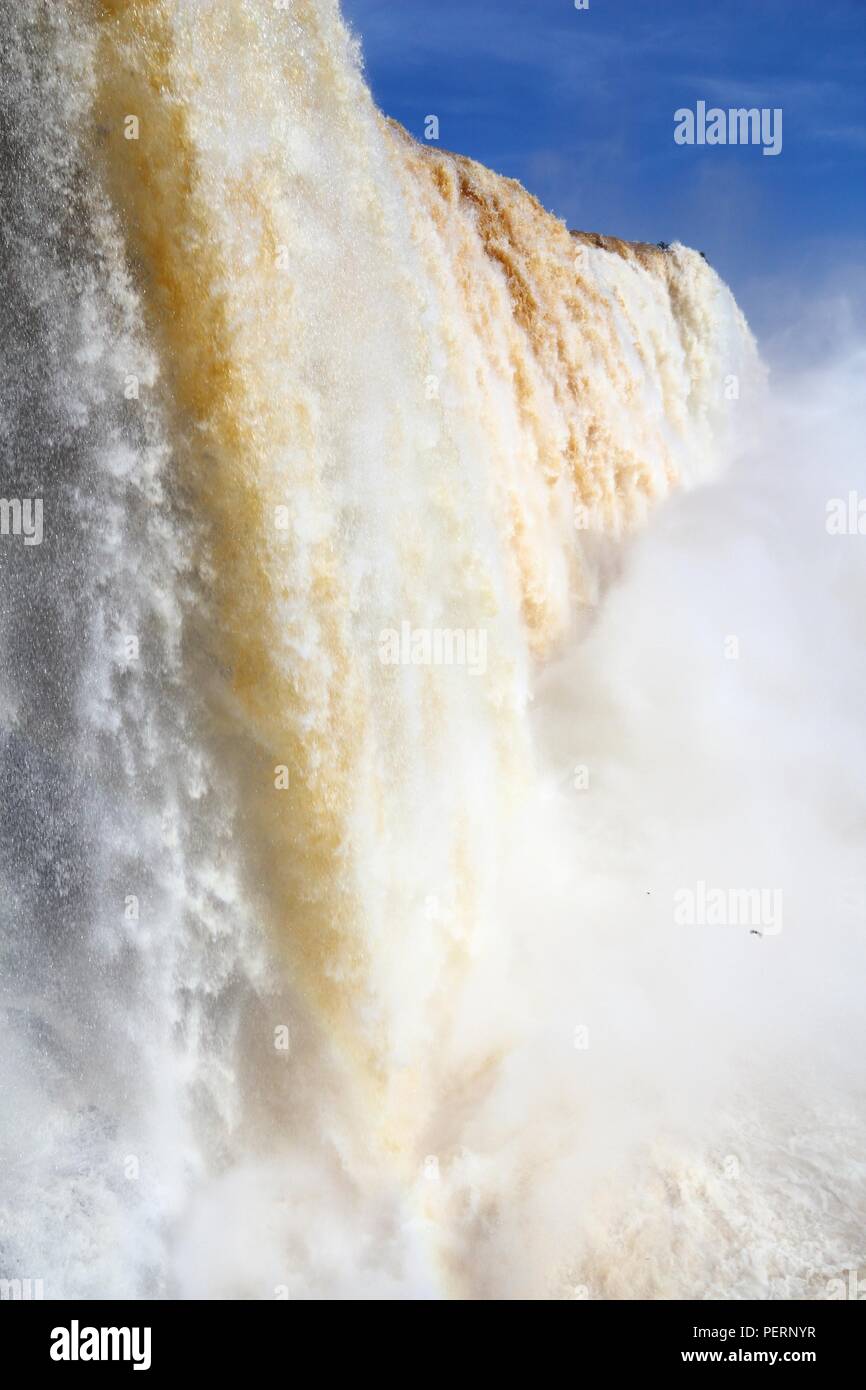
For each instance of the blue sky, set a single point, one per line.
(579, 106)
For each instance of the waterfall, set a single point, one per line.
(360, 476)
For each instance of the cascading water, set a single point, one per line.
(306, 921)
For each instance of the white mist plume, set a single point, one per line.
(706, 1044)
